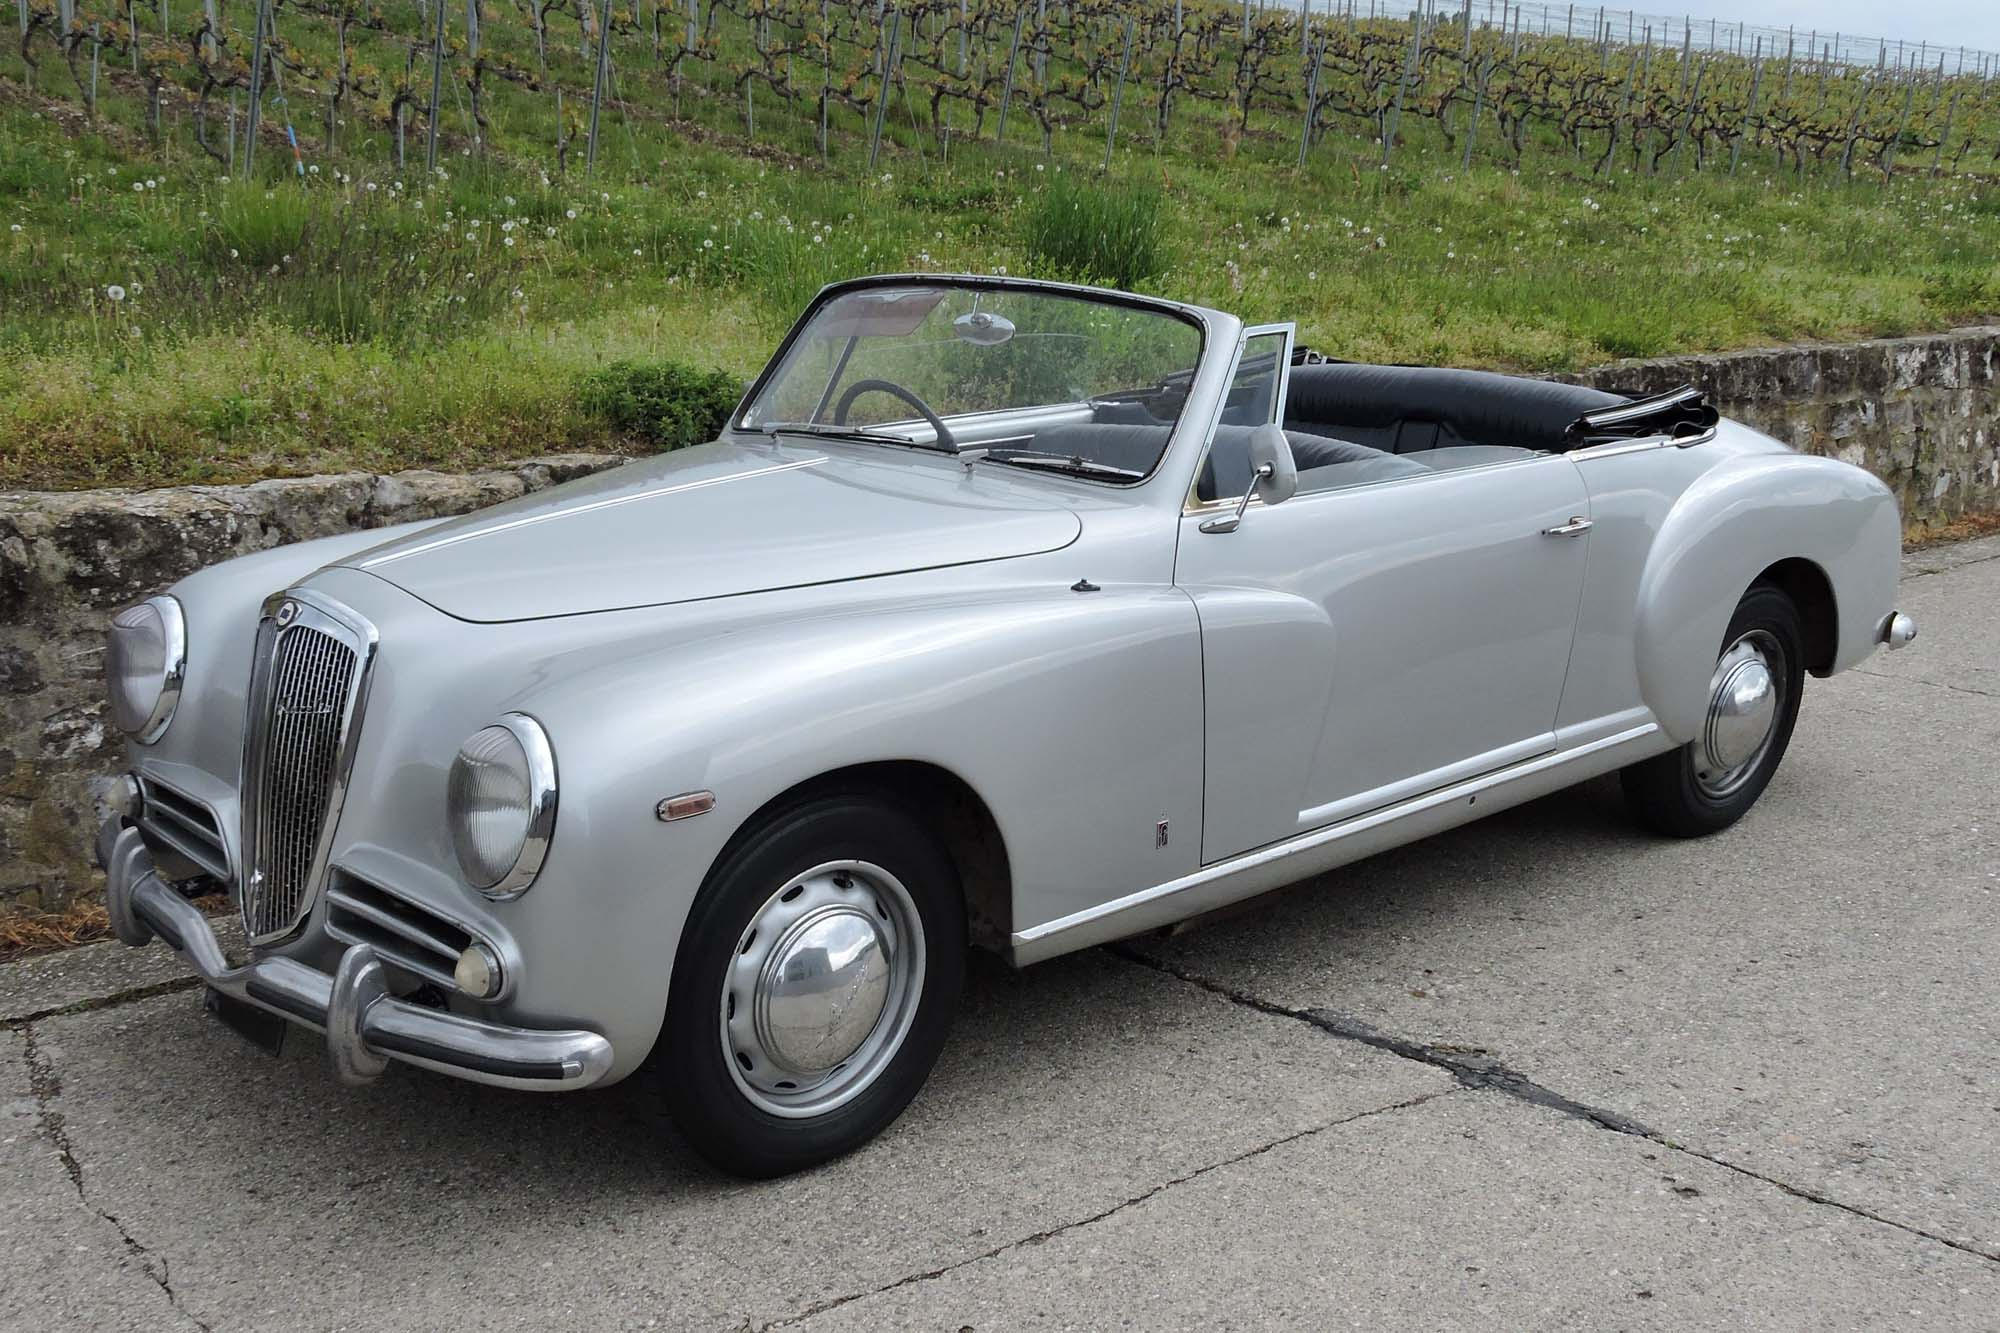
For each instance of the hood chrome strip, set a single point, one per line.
(609, 503)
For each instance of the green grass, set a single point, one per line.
(361, 318)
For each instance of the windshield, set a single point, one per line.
(1054, 381)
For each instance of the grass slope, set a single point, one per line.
(161, 323)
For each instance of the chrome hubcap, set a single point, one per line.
(1745, 697)
(823, 988)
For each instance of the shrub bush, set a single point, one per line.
(663, 402)
(1098, 231)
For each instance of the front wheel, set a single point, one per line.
(1753, 702)
(814, 987)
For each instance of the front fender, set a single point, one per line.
(1732, 523)
(1076, 717)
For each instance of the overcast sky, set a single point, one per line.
(1974, 23)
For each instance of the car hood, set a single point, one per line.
(719, 520)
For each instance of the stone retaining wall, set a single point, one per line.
(68, 560)
(1922, 413)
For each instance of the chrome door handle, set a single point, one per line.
(1578, 523)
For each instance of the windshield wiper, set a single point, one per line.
(1072, 464)
(823, 431)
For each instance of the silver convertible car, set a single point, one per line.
(1004, 614)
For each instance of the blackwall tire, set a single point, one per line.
(815, 983)
(1695, 790)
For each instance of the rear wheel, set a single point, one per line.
(1753, 702)
(815, 984)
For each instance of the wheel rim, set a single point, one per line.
(1746, 697)
(823, 987)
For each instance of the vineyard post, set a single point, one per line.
(1750, 110)
(22, 5)
(1007, 88)
(1312, 102)
(1687, 126)
(597, 88)
(1402, 86)
(1950, 110)
(232, 129)
(825, 71)
(1478, 102)
(1853, 126)
(1118, 97)
(132, 22)
(1041, 56)
(964, 31)
(882, 98)
(256, 91)
(208, 34)
(437, 86)
(96, 49)
(1902, 123)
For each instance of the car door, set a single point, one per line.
(1388, 630)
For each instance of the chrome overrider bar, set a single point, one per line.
(365, 1026)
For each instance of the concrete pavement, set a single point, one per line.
(1545, 1070)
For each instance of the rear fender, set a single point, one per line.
(1735, 521)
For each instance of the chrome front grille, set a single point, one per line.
(310, 677)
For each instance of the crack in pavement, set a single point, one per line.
(46, 1086)
(1934, 684)
(933, 1274)
(91, 1003)
(1481, 1070)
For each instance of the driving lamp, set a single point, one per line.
(145, 661)
(501, 804)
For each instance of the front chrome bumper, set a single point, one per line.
(365, 1026)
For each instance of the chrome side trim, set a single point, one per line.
(1286, 862)
(313, 610)
(610, 502)
(365, 1027)
(1617, 447)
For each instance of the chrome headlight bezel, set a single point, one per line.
(537, 772)
(142, 720)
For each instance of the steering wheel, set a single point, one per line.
(894, 390)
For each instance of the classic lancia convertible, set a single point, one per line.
(1004, 614)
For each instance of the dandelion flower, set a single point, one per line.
(507, 240)
(15, 227)
(140, 186)
(115, 292)
(570, 213)
(552, 232)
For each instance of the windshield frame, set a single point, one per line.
(1202, 320)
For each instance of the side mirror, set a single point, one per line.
(1274, 477)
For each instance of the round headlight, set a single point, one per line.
(502, 805)
(145, 661)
